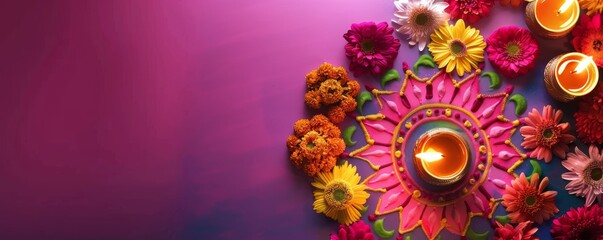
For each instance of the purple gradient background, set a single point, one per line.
(167, 119)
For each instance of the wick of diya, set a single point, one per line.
(441, 156)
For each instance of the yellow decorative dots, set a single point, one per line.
(448, 112)
(465, 190)
(481, 167)
(408, 125)
(508, 142)
(472, 181)
(371, 141)
(515, 123)
(476, 136)
(428, 112)
(416, 194)
(401, 169)
(468, 124)
(400, 140)
(398, 154)
(482, 149)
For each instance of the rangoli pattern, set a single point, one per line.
(421, 104)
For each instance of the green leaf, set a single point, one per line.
(380, 229)
(424, 60)
(347, 136)
(472, 235)
(362, 98)
(390, 75)
(494, 79)
(521, 104)
(502, 219)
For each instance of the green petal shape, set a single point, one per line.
(494, 79)
(362, 98)
(380, 229)
(390, 75)
(521, 104)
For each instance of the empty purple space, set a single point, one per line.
(168, 119)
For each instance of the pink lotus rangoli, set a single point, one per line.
(420, 105)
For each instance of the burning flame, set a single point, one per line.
(582, 65)
(430, 155)
(564, 7)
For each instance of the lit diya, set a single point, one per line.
(441, 156)
(570, 75)
(552, 18)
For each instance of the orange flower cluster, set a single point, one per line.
(315, 145)
(330, 88)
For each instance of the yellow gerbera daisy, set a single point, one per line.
(591, 6)
(339, 194)
(457, 46)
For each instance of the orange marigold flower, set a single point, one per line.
(315, 145)
(330, 89)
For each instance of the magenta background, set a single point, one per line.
(167, 119)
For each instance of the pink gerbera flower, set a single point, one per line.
(527, 201)
(357, 231)
(586, 174)
(371, 48)
(512, 51)
(469, 10)
(545, 134)
(523, 231)
(588, 37)
(585, 223)
(589, 117)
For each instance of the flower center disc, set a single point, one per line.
(457, 48)
(597, 44)
(596, 174)
(547, 133)
(530, 200)
(421, 19)
(513, 50)
(338, 194)
(367, 46)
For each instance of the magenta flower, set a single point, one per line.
(512, 51)
(357, 231)
(523, 231)
(469, 10)
(584, 223)
(371, 48)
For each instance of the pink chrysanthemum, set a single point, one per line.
(527, 201)
(585, 223)
(371, 48)
(469, 10)
(545, 134)
(588, 37)
(586, 174)
(357, 231)
(523, 231)
(512, 51)
(589, 117)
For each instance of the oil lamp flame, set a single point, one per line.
(564, 7)
(582, 65)
(430, 155)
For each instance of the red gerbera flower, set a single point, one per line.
(588, 37)
(584, 224)
(523, 231)
(469, 10)
(589, 117)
